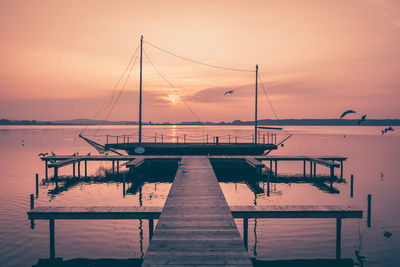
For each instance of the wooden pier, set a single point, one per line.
(196, 226)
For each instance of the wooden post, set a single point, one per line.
(252, 138)
(37, 184)
(113, 167)
(107, 138)
(268, 138)
(123, 185)
(311, 175)
(338, 237)
(245, 231)
(128, 139)
(46, 169)
(117, 139)
(276, 168)
(118, 167)
(229, 138)
(332, 172)
(79, 169)
(155, 138)
(184, 138)
(124, 139)
(255, 108)
(341, 169)
(217, 140)
(52, 243)
(268, 187)
(235, 139)
(304, 168)
(56, 176)
(207, 138)
(263, 138)
(275, 139)
(85, 168)
(162, 138)
(151, 227)
(315, 169)
(369, 211)
(270, 168)
(32, 201)
(73, 170)
(351, 185)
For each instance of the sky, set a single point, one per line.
(317, 58)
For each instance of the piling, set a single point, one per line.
(151, 228)
(52, 241)
(369, 211)
(79, 169)
(123, 185)
(351, 185)
(276, 168)
(32, 201)
(217, 140)
(85, 168)
(37, 184)
(245, 232)
(73, 170)
(315, 169)
(341, 169)
(118, 167)
(47, 170)
(338, 237)
(304, 168)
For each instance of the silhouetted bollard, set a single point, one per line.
(351, 185)
(369, 211)
(37, 185)
(32, 202)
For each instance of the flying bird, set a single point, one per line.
(347, 112)
(387, 129)
(362, 119)
(228, 92)
(42, 154)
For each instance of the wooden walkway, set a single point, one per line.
(196, 226)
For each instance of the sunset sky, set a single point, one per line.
(317, 58)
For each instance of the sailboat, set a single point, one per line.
(187, 148)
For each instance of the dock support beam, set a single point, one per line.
(113, 167)
(304, 169)
(245, 232)
(151, 227)
(73, 170)
(351, 185)
(315, 169)
(118, 167)
(56, 176)
(338, 237)
(341, 169)
(369, 211)
(47, 170)
(276, 168)
(79, 169)
(85, 168)
(52, 243)
(37, 184)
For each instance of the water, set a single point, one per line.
(372, 158)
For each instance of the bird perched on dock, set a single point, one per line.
(347, 112)
(387, 129)
(362, 119)
(42, 154)
(228, 92)
(52, 153)
(88, 154)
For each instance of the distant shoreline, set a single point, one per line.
(265, 122)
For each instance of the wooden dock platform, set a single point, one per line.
(196, 226)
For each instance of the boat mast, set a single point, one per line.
(140, 92)
(255, 112)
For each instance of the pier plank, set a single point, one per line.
(196, 203)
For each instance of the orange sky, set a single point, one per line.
(61, 59)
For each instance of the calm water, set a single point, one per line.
(373, 159)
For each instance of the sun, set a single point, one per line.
(172, 99)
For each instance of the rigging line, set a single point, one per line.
(117, 98)
(114, 89)
(197, 62)
(270, 104)
(173, 87)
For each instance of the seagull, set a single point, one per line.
(386, 234)
(88, 154)
(387, 129)
(347, 112)
(228, 92)
(362, 119)
(52, 153)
